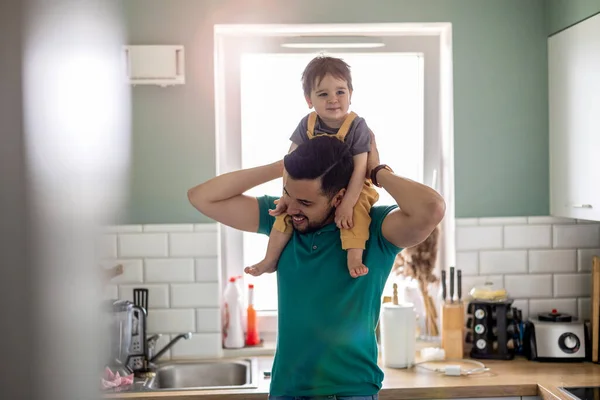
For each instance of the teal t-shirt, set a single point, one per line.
(326, 322)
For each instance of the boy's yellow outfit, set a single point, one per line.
(356, 237)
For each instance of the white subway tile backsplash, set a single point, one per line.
(170, 270)
(537, 306)
(545, 261)
(542, 261)
(143, 245)
(468, 262)
(171, 321)
(574, 236)
(208, 320)
(111, 292)
(207, 269)
(195, 244)
(585, 221)
(122, 228)
(571, 285)
(195, 295)
(499, 221)
(584, 259)
(158, 294)
(205, 228)
(528, 286)
(106, 246)
(133, 271)
(546, 220)
(527, 236)
(200, 345)
(467, 222)
(503, 262)
(169, 228)
(478, 237)
(585, 308)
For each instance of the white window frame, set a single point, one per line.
(438, 124)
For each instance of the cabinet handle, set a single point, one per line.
(582, 206)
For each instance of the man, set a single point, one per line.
(326, 322)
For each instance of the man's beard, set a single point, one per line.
(315, 226)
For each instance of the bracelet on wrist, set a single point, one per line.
(375, 170)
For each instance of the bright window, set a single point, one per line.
(388, 93)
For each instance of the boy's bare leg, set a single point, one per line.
(277, 242)
(355, 264)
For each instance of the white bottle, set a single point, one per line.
(233, 332)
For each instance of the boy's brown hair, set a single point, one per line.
(320, 66)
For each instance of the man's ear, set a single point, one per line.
(337, 199)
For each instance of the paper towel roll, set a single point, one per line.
(398, 336)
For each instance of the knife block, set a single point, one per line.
(453, 325)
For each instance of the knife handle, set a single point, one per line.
(451, 284)
(459, 284)
(444, 292)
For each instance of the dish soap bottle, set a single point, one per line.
(252, 338)
(233, 332)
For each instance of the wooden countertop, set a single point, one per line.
(518, 377)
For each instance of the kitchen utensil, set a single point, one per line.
(490, 334)
(459, 284)
(140, 298)
(453, 323)
(444, 291)
(451, 284)
(128, 333)
(555, 337)
(398, 341)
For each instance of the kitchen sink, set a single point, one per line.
(205, 375)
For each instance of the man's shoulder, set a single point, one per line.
(265, 220)
(378, 214)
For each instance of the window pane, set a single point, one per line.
(388, 93)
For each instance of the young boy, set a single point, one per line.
(327, 85)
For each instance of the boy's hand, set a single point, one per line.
(343, 216)
(280, 208)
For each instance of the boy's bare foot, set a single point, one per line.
(265, 266)
(355, 264)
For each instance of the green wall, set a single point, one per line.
(500, 74)
(563, 13)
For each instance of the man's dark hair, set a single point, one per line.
(322, 157)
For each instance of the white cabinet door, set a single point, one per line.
(574, 110)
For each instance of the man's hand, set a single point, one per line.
(343, 215)
(280, 207)
(373, 156)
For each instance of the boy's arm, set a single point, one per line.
(222, 199)
(357, 180)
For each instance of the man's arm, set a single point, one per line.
(420, 208)
(222, 199)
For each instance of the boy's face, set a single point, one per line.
(331, 100)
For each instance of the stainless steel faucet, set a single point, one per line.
(152, 342)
